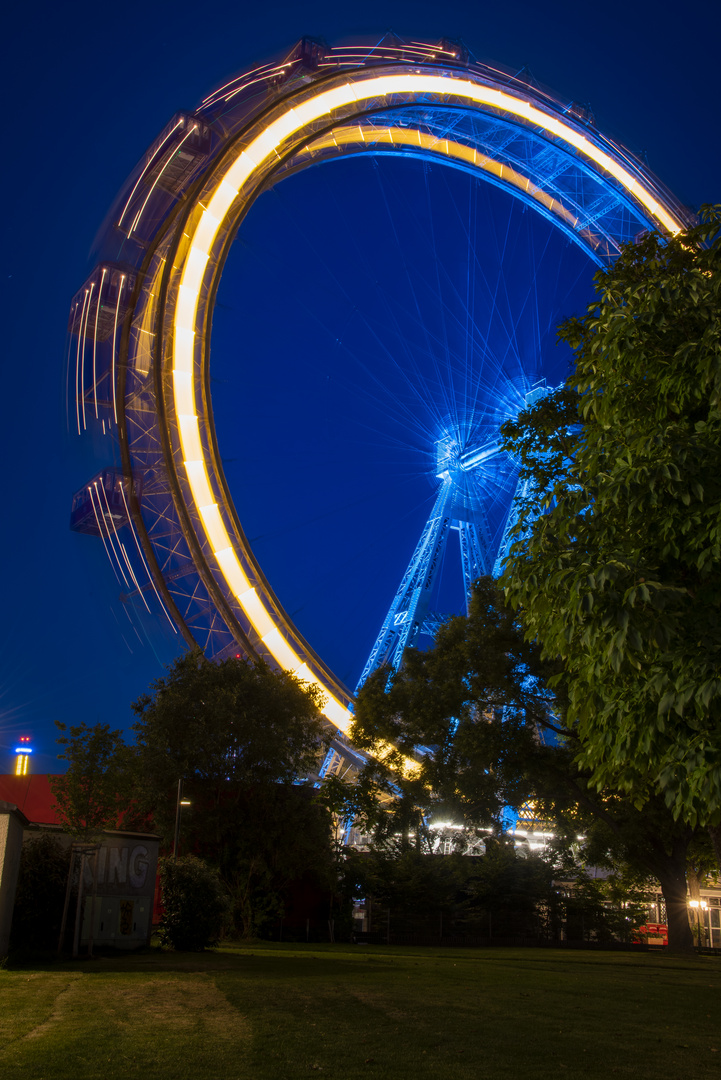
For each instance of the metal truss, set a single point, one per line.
(508, 538)
(407, 612)
(510, 531)
(591, 208)
(459, 506)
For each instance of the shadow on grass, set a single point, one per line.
(241, 955)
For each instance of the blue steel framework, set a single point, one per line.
(459, 506)
(140, 325)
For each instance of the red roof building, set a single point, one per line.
(32, 795)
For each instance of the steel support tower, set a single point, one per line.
(459, 506)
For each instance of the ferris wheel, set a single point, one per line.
(140, 327)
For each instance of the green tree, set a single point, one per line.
(637, 844)
(478, 699)
(229, 723)
(265, 840)
(511, 894)
(240, 735)
(195, 904)
(479, 703)
(418, 889)
(605, 909)
(38, 910)
(95, 792)
(619, 576)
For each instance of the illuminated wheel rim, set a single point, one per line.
(162, 350)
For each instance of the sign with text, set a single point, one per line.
(126, 867)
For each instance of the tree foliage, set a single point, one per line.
(264, 840)
(478, 698)
(635, 844)
(240, 735)
(619, 576)
(478, 703)
(96, 791)
(223, 725)
(40, 894)
(195, 904)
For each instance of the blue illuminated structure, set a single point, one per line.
(140, 326)
(469, 470)
(22, 756)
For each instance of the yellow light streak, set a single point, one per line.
(254, 606)
(121, 547)
(205, 233)
(184, 394)
(142, 556)
(147, 166)
(172, 153)
(115, 339)
(286, 656)
(195, 268)
(232, 570)
(95, 341)
(201, 483)
(184, 351)
(240, 170)
(215, 530)
(77, 362)
(185, 310)
(190, 439)
(102, 523)
(83, 332)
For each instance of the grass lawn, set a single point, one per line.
(346, 1012)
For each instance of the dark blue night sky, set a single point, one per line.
(313, 331)
(330, 387)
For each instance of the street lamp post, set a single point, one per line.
(180, 802)
(698, 906)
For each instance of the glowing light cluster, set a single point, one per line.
(235, 182)
(23, 752)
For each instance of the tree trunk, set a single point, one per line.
(694, 893)
(672, 877)
(68, 890)
(714, 832)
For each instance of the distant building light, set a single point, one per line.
(23, 752)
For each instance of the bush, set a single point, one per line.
(40, 895)
(195, 904)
